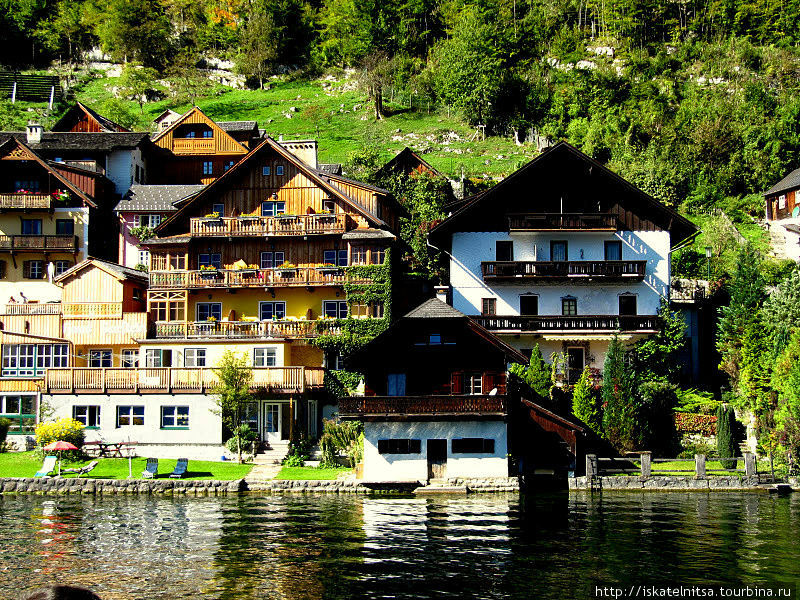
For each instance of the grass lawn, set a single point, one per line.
(688, 465)
(24, 464)
(311, 473)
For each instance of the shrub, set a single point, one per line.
(248, 437)
(690, 448)
(692, 423)
(66, 429)
(4, 426)
(726, 439)
(586, 402)
(299, 452)
(340, 437)
(655, 423)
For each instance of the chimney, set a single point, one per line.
(442, 293)
(34, 133)
(305, 150)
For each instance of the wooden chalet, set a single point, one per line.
(405, 163)
(194, 149)
(82, 119)
(782, 200)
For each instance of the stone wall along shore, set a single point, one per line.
(674, 483)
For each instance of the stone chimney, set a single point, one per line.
(305, 150)
(442, 293)
(34, 133)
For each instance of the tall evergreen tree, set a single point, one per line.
(619, 409)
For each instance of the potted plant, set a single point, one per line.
(328, 268)
(286, 269)
(208, 271)
(253, 216)
(211, 218)
(60, 196)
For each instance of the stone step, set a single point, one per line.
(441, 489)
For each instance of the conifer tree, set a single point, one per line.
(536, 374)
(584, 403)
(726, 442)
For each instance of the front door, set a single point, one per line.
(437, 459)
(271, 425)
(575, 365)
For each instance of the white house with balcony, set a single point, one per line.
(565, 254)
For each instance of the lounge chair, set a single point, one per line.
(48, 466)
(150, 469)
(81, 470)
(180, 468)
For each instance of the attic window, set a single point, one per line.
(266, 171)
(279, 170)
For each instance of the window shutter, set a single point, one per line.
(2, 269)
(487, 382)
(26, 269)
(456, 379)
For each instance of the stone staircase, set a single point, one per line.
(271, 455)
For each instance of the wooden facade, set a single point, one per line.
(81, 119)
(783, 205)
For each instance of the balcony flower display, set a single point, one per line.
(251, 215)
(60, 196)
(208, 268)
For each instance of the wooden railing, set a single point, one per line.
(25, 201)
(174, 380)
(556, 221)
(33, 308)
(93, 310)
(421, 405)
(193, 145)
(261, 226)
(221, 278)
(643, 323)
(244, 329)
(64, 243)
(573, 270)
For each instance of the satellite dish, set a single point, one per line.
(796, 212)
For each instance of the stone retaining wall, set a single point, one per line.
(487, 484)
(667, 483)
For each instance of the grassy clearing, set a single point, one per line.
(311, 473)
(669, 467)
(25, 464)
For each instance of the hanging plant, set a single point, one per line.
(142, 233)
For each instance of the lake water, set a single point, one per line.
(483, 546)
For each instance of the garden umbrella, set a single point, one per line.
(59, 446)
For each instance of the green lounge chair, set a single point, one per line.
(48, 466)
(150, 469)
(180, 468)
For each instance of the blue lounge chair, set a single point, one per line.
(150, 469)
(48, 466)
(180, 468)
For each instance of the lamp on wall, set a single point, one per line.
(708, 263)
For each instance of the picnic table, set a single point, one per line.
(110, 449)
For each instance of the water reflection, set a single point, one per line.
(544, 546)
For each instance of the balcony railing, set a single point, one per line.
(32, 308)
(357, 406)
(263, 226)
(39, 243)
(221, 278)
(574, 271)
(26, 201)
(93, 310)
(561, 221)
(193, 145)
(173, 380)
(558, 323)
(245, 329)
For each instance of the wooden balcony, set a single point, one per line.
(565, 271)
(32, 308)
(281, 225)
(255, 278)
(92, 310)
(421, 406)
(197, 380)
(576, 324)
(194, 146)
(26, 201)
(244, 329)
(39, 243)
(563, 222)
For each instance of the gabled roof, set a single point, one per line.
(488, 203)
(788, 183)
(67, 141)
(209, 121)
(113, 269)
(330, 168)
(78, 109)
(434, 309)
(167, 113)
(160, 198)
(6, 148)
(269, 144)
(406, 157)
(237, 125)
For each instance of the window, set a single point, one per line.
(569, 307)
(472, 446)
(335, 309)
(473, 384)
(488, 306)
(265, 357)
(130, 415)
(88, 415)
(2, 268)
(33, 269)
(627, 304)
(504, 251)
(31, 227)
(21, 411)
(272, 208)
(372, 310)
(378, 255)
(335, 257)
(147, 220)
(29, 185)
(334, 361)
(25, 360)
(271, 310)
(167, 310)
(228, 164)
(208, 167)
(130, 358)
(177, 262)
(194, 357)
(65, 227)
(396, 384)
(358, 255)
(208, 133)
(558, 251)
(781, 202)
(435, 339)
(270, 260)
(209, 260)
(62, 266)
(613, 250)
(399, 446)
(136, 294)
(155, 358)
(328, 206)
(174, 417)
(250, 415)
(100, 358)
(266, 170)
(219, 209)
(279, 170)
(208, 310)
(528, 305)
(144, 258)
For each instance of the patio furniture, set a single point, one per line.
(48, 466)
(150, 469)
(180, 468)
(81, 470)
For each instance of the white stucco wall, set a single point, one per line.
(214, 351)
(469, 249)
(121, 168)
(414, 467)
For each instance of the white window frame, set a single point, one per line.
(83, 414)
(130, 358)
(193, 356)
(174, 417)
(211, 311)
(275, 305)
(272, 259)
(262, 357)
(339, 304)
(101, 355)
(132, 413)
